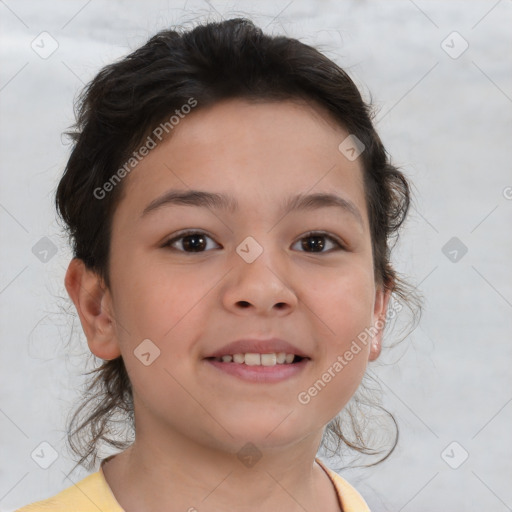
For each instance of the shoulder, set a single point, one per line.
(88, 495)
(350, 499)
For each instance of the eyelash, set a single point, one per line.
(310, 234)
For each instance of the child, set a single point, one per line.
(229, 205)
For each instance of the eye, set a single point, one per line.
(316, 241)
(190, 241)
(197, 241)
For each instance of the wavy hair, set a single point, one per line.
(126, 100)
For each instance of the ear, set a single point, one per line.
(382, 296)
(93, 304)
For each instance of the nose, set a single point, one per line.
(260, 287)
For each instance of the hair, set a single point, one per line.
(124, 103)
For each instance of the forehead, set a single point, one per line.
(247, 124)
(259, 151)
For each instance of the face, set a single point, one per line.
(249, 269)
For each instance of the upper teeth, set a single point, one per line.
(252, 359)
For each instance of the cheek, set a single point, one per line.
(154, 301)
(343, 303)
(343, 306)
(161, 306)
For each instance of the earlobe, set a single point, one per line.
(382, 297)
(92, 302)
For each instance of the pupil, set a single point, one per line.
(196, 243)
(315, 242)
(191, 242)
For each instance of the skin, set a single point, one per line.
(191, 419)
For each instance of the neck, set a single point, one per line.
(185, 476)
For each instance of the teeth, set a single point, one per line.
(268, 359)
(253, 359)
(239, 358)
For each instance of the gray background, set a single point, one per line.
(446, 121)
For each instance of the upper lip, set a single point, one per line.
(267, 346)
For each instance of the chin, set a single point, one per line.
(265, 435)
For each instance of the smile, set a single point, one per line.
(263, 368)
(253, 359)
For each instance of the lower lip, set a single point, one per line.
(276, 373)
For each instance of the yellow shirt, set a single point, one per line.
(92, 494)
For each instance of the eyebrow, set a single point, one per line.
(221, 201)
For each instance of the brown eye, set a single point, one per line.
(318, 241)
(190, 241)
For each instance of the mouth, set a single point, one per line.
(255, 359)
(263, 368)
(259, 360)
